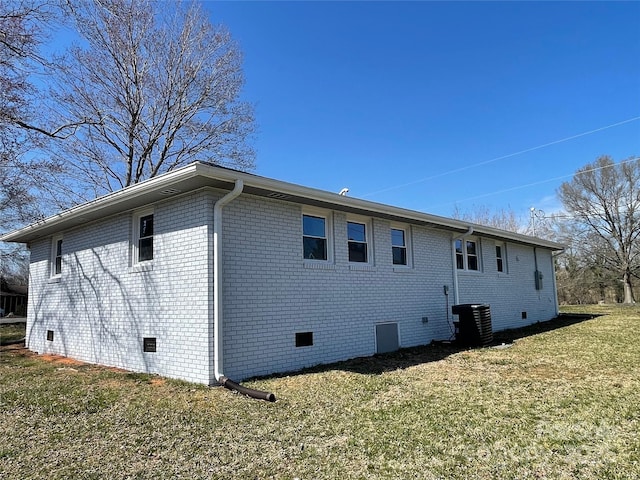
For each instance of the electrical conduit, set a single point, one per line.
(217, 300)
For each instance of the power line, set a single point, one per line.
(540, 182)
(479, 164)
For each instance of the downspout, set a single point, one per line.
(456, 294)
(217, 300)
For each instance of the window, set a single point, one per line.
(358, 248)
(500, 257)
(459, 255)
(56, 256)
(143, 246)
(472, 255)
(314, 237)
(467, 255)
(399, 246)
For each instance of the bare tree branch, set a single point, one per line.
(605, 197)
(156, 86)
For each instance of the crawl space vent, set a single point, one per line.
(304, 339)
(149, 344)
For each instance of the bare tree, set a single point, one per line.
(604, 199)
(483, 215)
(152, 86)
(22, 30)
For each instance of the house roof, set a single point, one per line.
(198, 175)
(13, 290)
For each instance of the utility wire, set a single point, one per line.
(540, 182)
(468, 167)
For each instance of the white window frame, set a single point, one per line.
(368, 236)
(328, 226)
(55, 240)
(465, 254)
(135, 250)
(407, 245)
(502, 257)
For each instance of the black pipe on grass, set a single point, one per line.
(250, 392)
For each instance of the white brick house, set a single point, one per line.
(306, 277)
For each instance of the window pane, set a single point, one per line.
(471, 247)
(314, 248)
(59, 248)
(145, 249)
(459, 246)
(399, 256)
(459, 261)
(397, 238)
(356, 232)
(146, 226)
(357, 252)
(498, 251)
(58, 269)
(472, 263)
(313, 226)
(500, 267)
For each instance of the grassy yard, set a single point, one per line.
(11, 332)
(560, 403)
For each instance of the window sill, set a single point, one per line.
(319, 265)
(471, 272)
(405, 269)
(141, 267)
(56, 279)
(362, 267)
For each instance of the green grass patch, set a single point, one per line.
(11, 332)
(561, 402)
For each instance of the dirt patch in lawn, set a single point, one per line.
(60, 360)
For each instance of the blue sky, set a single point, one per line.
(429, 105)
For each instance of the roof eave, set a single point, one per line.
(131, 197)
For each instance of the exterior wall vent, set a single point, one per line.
(170, 191)
(149, 344)
(304, 339)
(50, 335)
(279, 196)
(524, 315)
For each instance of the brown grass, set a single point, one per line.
(562, 402)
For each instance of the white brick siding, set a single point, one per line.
(101, 307)
(513, 292)
(270, 294)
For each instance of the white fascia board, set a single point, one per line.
(373, 207)
(115, 199)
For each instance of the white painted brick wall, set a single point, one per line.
(101, 309)
(270, 294)
(513, 292)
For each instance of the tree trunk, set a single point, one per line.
(628, 288)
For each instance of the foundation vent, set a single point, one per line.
(149, 344)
